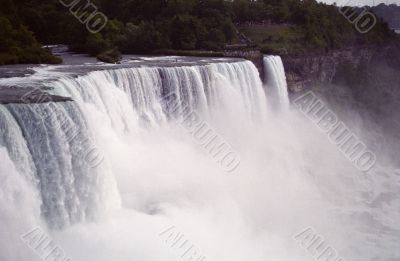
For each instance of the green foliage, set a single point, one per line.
(110, 56)
(96, 44)
(184, 30)
(144, 26)
(316, 27)
(147, 38)
(18, 45)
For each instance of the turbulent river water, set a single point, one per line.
(106, 176)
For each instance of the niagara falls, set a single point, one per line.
(199, 130)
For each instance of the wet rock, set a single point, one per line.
(28, 96)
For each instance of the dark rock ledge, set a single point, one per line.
(28, 96)
(307, 70)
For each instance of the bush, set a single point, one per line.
(110, 56)
(18, 45)
(95, 44)
(6, 58)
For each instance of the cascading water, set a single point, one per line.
(140, 91)
(149, 174)
(275, 79)
(49, 143)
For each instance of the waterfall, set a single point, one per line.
(106, 174)
(56, 145)
(132, 98)
(50, 144)
(275, 79)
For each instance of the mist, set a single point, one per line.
(155, 176)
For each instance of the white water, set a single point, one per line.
(275, 79)
(154, 175)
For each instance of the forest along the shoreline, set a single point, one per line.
(160, 26)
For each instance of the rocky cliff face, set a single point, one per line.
(307, 70)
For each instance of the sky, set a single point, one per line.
(361, 2)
